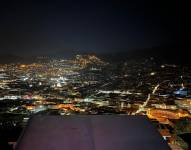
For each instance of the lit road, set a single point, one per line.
(141, 108)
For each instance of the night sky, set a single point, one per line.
(99, 26)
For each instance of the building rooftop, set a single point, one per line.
(104, 132)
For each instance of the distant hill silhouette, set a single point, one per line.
(177, 54)
(9, 58)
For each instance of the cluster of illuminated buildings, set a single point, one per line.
(86, 84)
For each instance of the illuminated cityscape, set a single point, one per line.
(106, 70)
(88, 85)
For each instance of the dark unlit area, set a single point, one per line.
(105, 132)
